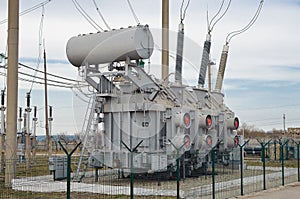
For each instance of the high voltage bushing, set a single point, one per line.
(34, 113)
(2, 97)
(28, 109)
(20, 112)
(2, 130)
(205, 60)
(20, 119)
(222, 67)
(50, 113)
(25, 120)
(28, 99)
(179, 54)
(2, 108)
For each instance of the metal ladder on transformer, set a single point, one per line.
(86, 128)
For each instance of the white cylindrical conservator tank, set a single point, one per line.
(110, 46)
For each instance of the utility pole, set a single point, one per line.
(12, 95)
(48, 138)
(165, 40)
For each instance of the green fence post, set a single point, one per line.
(264, 165)
(242, 165)
(68, 167)
(131, 176)
(282, 159)
(241, 170)
(131, 166)
(274, 149)
(213, 171)
(280, 154)
(282, 164)
(298, 161)
(287, 151)
(178, 175)
(298, 155)
(178, 149)
(263, 158)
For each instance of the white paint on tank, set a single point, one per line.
(106, 47)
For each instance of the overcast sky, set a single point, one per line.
(262, 78)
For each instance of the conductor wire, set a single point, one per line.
(183, 12)
(133, 13)
(100, 14)
(248, 26)
(211, 25)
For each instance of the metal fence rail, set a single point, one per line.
(220, 180)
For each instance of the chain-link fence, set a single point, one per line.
(245, 169)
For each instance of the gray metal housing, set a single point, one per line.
(133, 106)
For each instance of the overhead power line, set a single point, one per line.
(39, 45)
(28, 10)
(133, 13)
(252, 21)
(212, 24)
(100, 14)
(63, 83)
(183, 11)
(50, 80)
(87, 17)
(50, 74)
(36, 82)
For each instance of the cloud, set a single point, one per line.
(50, 61)
(263, 63)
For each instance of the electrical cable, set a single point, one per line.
(50, 80)
(86, 16)
(28, 10)
(252, 21)
(39, 46)
(50, 74)
(81, 91)
(28, 80)
(211, 25)
(77, 95)
(100, 14)
(218, 12)
(133, 13)
(182, 14)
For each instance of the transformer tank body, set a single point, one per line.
(135, 107)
